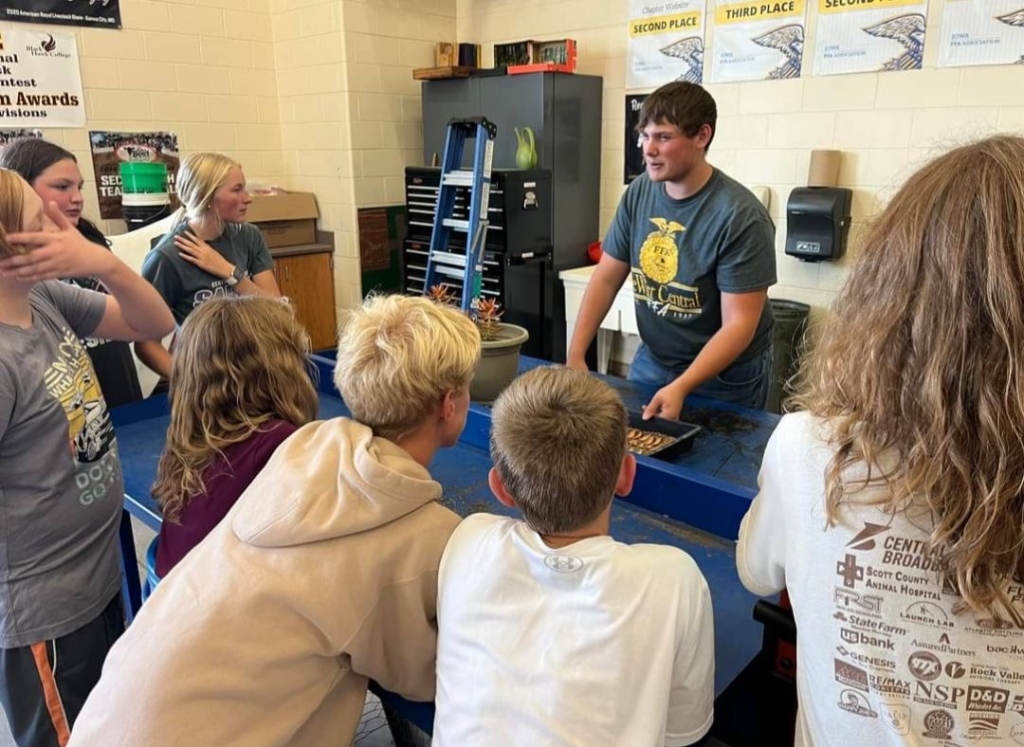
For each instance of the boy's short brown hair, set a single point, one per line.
(558, 437)
(685, 105)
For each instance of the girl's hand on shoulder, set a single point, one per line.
(193, 249)
(60, 252)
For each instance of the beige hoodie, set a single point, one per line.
(323, 574)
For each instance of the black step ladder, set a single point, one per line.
(445, 263)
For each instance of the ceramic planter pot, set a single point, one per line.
(499, 362)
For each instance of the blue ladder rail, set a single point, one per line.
(444, 264)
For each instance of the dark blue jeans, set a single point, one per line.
(746, 384)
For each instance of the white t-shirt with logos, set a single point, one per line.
(596, 643)
(886, 653)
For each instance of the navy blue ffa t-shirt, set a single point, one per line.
(184, 286)
(684, 254)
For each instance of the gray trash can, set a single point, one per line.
(787, 344)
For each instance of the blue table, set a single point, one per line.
(694, 503)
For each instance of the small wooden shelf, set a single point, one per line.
(438, 73)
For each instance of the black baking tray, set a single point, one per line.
(682, 434)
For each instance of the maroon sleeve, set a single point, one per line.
(225, 480)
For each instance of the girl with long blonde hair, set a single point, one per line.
(211, 251)
(891, 507)
(240, 386)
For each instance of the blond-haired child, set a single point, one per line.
(322, 576)
(61, 488)
(550, 631)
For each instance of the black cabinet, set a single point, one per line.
(565, 112)
(517, 249)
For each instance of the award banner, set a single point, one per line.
(666, 42)
(758, 40)
(634, 161)
(982, 32)
(40, 80)
(861, 36)
(111, 149)
(96, 13)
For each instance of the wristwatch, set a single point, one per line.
(238, 274)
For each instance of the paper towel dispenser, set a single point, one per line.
(818, 222)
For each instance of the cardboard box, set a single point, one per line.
(285, 219)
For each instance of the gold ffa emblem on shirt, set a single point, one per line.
(659, 255)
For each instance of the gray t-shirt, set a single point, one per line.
(61, 488)
(684, 254)
(184, 286)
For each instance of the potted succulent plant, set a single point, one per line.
(500, 341)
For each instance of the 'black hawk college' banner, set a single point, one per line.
(634, 162)
(97, 13)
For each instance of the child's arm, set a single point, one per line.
(396, 645)
(155, 356)
(761, 551)
(134, 310)
(692, 700)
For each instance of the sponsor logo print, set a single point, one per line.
(874, 661)
(987, 699)
(944, 647)
(889, 685)
(852, 601)
(997, 674)
(851, 676)
(863, 540)
(563, 563)
(849, 571)
(855, 637)
(1010, 650)
(1017, 706)
(943, 696)
(1017, 733)
(924, 665)
(982, 727)
(870, 624)
(927, 613)
(955, 670)
(854, 702)
(938, 724)
(896, 717)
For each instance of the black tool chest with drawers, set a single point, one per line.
(518, 270)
